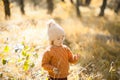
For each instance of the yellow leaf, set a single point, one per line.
(46, 78)
(89, 78)
(6, 49)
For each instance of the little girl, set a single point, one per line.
(57, 56)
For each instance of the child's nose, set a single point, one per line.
(60, 38)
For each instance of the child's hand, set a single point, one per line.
(55, 70)
(77, 56)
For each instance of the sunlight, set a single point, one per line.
(24, 39)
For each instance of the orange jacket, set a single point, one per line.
(58, 57)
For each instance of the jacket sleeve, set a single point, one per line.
(71, 57)
(46, 62)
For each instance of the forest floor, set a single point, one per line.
(23, 38)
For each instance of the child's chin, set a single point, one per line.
(59, 44)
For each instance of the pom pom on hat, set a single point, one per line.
(54, 30)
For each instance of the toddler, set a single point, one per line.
(57, 56)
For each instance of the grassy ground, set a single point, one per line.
(96, 39)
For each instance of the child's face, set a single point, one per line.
(59, 41)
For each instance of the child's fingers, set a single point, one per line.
(77, 56)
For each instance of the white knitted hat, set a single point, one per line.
(54, 30)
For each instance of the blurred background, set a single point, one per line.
(92, 29)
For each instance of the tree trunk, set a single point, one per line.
(63, 0)
(50, 6)
(77, 8)
(87, 2)
(21, 3)
(117, 8)
(103, 8)
(7, 8)
(71, 1)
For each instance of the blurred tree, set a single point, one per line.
(78, 4)
(71, 1)
(63, 0)
(77, 8)
(118, 6)
(21, 4)
(87, 2)
(35, 2)
(50, 6)
(104, 4)
(103, 8)
(7, 8)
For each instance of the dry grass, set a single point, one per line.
(96, 39)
